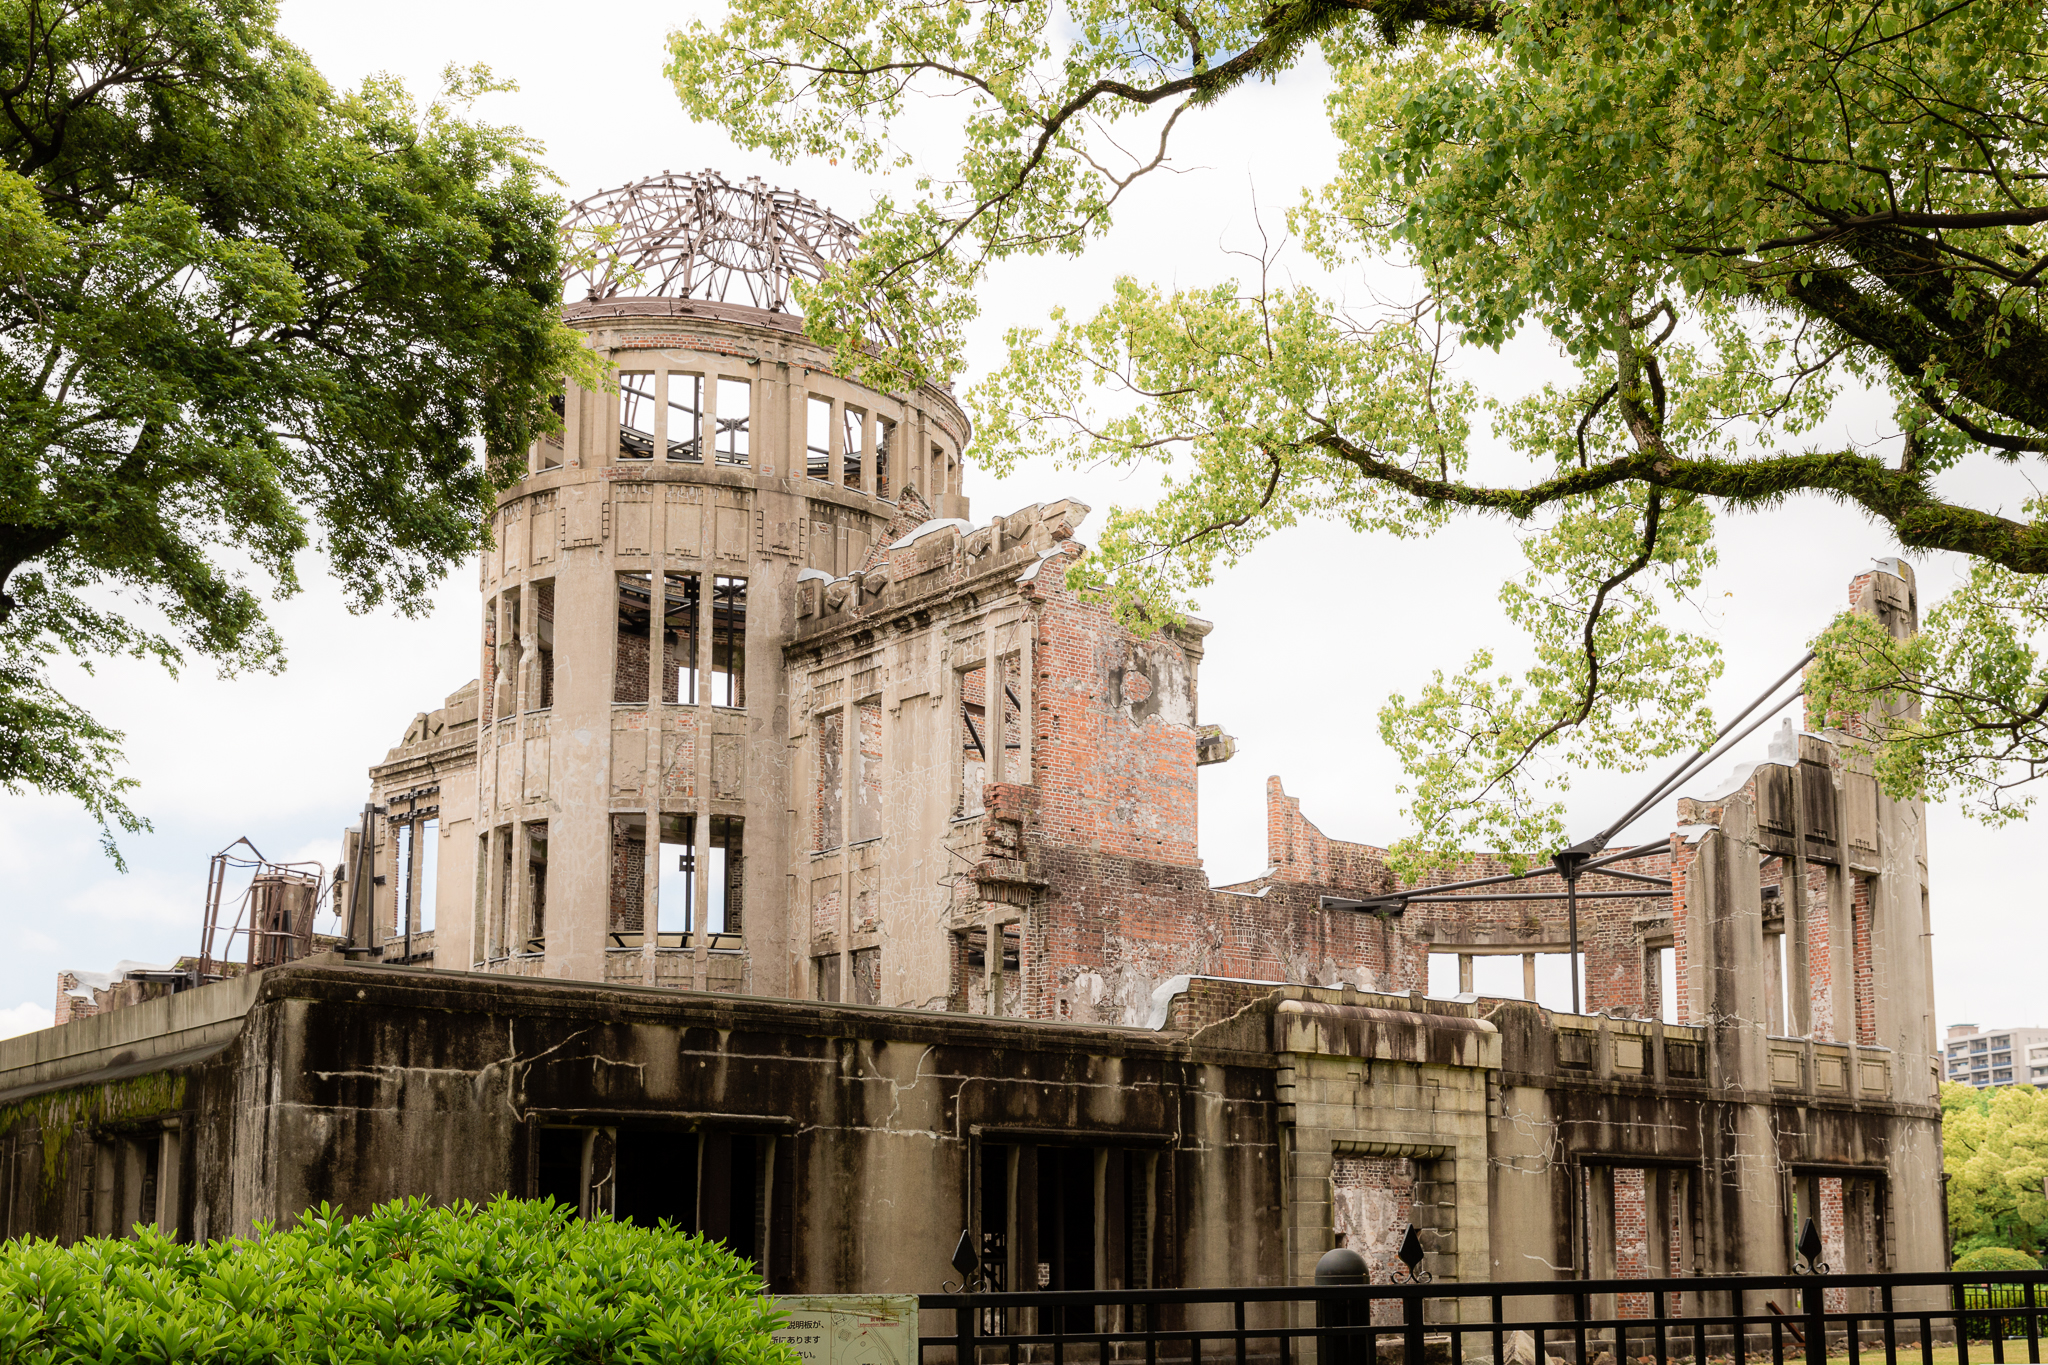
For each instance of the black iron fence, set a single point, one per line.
(1787, 1319)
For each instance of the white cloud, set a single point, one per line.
(26, 1017)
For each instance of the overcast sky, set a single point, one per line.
(1311, 634)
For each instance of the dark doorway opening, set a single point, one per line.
(657, 1178)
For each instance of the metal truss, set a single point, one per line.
(701, 236)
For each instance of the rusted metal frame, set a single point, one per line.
(1700, 758)
(1539, 896)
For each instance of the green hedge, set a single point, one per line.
(405, 1284)
(1995, 1258)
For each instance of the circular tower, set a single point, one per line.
(633, 812)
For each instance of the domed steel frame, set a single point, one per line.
(701, 236)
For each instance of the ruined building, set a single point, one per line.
(809, 865)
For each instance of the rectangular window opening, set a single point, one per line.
(818, 439)
(502, 932)
(536, 887)
(685, 436)
(867, 784)
(679, 640)
(727, 875)
(627, 918)
(729, 642)
(540, 689)
(635, 614)
(831, 738)
(636, 415)
(559, 1155)
(735, 410)
(656, 1178)
(404, 866)
(974, 741)
(885, 442)
(938, 474)
(430, 875)
(551, 442)
(677, 888)
(852, 445)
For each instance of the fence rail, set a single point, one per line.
(1989, 1319)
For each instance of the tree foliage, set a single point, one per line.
(514, 1282)
(1994, 1145)
(1725, 216)
(241, 314)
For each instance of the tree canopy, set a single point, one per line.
(241, 314)
(1730, 218)
(1994, 1148)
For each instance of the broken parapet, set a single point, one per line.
(935, 558)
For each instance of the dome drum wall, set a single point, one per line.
(631, 786)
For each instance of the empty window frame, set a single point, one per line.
(972, 771)
(938, 474)
(679, 639)
(676, 879)
(635, 613)
(428, 883)
(490, 662)
(829, 740)
(867, 783)
(636, 415)
(404, 867)
(724, 912)
(550, 443)
(676, 887)
(540, 688)
(685, 435)
(885, 443)
(735, 411)
(536, 886)
(853, 430)
(626, 919)
(479, 918)
(1008, 742)
(818, 438)
(728, 641)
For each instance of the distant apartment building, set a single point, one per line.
(2007, 1056)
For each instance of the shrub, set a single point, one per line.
(1995, 1258)
(514, 1282)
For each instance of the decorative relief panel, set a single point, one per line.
(728, 767)
(544, 523)
(632, 518)
(629, 752)
(582, 516)
(685, 522)
(537, 766)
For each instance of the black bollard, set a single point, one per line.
(1342, 1266)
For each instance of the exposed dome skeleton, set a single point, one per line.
(700, 236)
